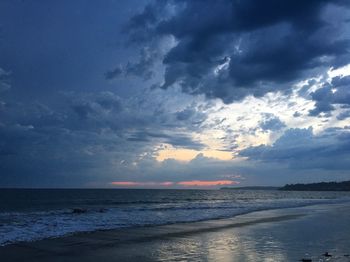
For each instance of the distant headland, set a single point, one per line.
(321, 186)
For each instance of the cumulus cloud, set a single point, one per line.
(230, 49)
(337, 92)
(301, 149)
(272, 123)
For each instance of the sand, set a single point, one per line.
(274, 235)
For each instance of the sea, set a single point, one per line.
(33, 214)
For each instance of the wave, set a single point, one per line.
(35, 225)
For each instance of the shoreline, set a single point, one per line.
(138, 226)
(83, 246)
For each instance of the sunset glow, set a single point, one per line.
(201, 183)
(192, 183)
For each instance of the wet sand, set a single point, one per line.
(274, 235)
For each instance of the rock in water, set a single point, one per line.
(327, 254)
(79, 210)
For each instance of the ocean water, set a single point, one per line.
(32, 214)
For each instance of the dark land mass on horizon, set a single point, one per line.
(321, 186)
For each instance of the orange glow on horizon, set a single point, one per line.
(191, 183)
(205, 183)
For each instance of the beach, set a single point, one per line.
(288, 234)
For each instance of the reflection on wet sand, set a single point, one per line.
(226, 246)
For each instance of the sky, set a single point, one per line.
(174, 93)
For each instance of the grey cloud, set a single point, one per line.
(57, 148)
(61, 153)
(297, 114)
(175, 139)
(142, 68)
(343, 115)
(141, 26)
(330, 94)
(272, 123)
(49, 156)
(185, 114)
(87, 137)
(96, 103)
(304, 91)
(254, 47)
(191, 115)
(301, 149)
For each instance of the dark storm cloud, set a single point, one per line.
(254, 46)
(330, 94)
(300, 148)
